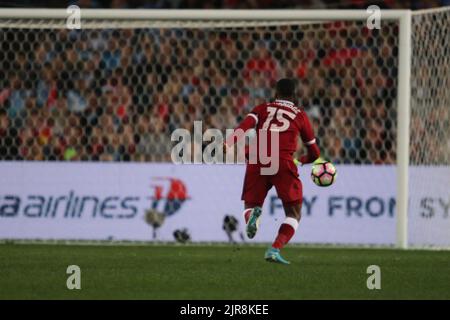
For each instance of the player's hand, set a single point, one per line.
(319, 160)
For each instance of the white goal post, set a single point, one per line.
(173, 18)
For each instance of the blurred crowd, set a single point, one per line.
(103, 95)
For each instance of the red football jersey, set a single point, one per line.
(286, 119)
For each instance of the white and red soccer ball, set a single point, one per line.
(323, 174)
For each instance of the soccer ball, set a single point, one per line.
(323, 174)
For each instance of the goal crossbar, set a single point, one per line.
(208, 14)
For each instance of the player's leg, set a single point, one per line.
(254, 192)
(289, 225)
(289, 190)
(285, 233)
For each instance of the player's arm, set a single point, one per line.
(249, 122)
(309, 140)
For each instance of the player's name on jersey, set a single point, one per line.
(288, 105)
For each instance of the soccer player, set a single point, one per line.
(288, 121)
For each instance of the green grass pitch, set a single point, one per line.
(219, 272)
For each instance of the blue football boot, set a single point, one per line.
(273, 255)
(253, 222)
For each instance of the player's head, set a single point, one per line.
(285, 89)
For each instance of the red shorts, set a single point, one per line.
(286, 182)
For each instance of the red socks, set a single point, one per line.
(285, 233)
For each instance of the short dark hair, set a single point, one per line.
(285, 88)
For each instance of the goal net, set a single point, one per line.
(429, 185)
(116, 89)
